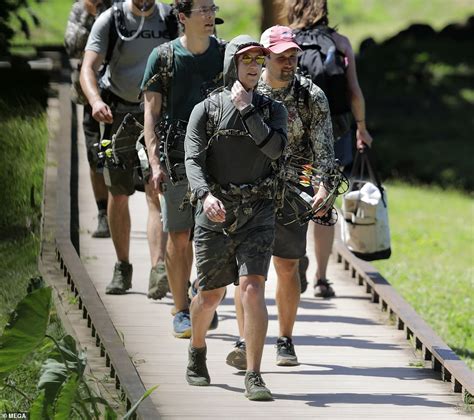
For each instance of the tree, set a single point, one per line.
(271, 13)
(8, 10)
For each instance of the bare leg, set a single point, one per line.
(239, 311)
(323, 240)
(157, 239)
(179, 258)
(203, 307)
(119, 223)
(287, 294)
(255, 319)
(98, 185)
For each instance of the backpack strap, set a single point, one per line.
(119, 16)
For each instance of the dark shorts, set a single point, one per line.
(221, 259)
(91, 129)
(290, 239)
(123, 179)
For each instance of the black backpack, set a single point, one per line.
(325, 65)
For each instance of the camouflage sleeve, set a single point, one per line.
(270, 138)
(195, 146)
(322, 137)
(156, 71)
(78, 28)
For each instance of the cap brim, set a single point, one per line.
(218, 21)
(266, 51)
(283, 46)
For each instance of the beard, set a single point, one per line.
(286, 76)
(147, 5)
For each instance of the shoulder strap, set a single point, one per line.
(119, 16)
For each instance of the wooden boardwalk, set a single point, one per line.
(353, 363)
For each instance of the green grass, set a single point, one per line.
(380, 19)
(432, 260)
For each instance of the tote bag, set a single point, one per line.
(365, 228)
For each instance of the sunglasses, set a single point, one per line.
(259, 59)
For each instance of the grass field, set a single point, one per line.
(432, 259)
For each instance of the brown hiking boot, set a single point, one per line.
(158, 283)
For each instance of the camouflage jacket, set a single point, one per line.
(310, 135)
(77, 31)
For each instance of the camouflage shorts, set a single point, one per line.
(221, 259)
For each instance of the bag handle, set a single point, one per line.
(364, 164)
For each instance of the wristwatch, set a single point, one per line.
(201, 193)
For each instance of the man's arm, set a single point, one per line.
(153, 102)
(90, 67)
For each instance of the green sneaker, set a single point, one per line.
(196, 372)
(158, 283)
(122, 279)
(255, 389)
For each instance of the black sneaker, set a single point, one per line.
(122, 279)
(286, 355)
(302, 267)
(238, 356)
(102, 230)
(255, 389)
(196, 372)
(325, 289)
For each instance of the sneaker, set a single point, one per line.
(302, 267)
(196, 372)
(238, 356)
(255, 389)
(325, 289)
(192, 291)
(182, 324)
(102, 230)
(158, 283)
(122, 279)
(286, 355)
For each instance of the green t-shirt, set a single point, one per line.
(192, 76)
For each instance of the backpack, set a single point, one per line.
(325, 65)
(118, 16)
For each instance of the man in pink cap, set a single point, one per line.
(310, 144)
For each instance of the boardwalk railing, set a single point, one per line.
(443, 359)
(101, 327)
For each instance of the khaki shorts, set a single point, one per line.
(221, 259)
(174, 219)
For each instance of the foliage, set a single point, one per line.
(63, 389)
(431, 262)
(10, 9)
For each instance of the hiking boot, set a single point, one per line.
(122, 279)
(196, 372)
(286, 355)
(302, 267)
(192, 291)
(182, 324)
(325, 289)
(158, 283)
(238, 356)
(102, 230)
(255, 389)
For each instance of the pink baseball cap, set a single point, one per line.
(279, 39)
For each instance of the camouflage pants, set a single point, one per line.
(221, 259)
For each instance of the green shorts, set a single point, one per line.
(174, 219)
(221, 259)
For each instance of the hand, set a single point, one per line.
(240, 97)
(319, 198)
(101, 112)
(158, 176)
(364, 139)
(214, 209)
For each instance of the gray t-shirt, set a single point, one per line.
(127, 65)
